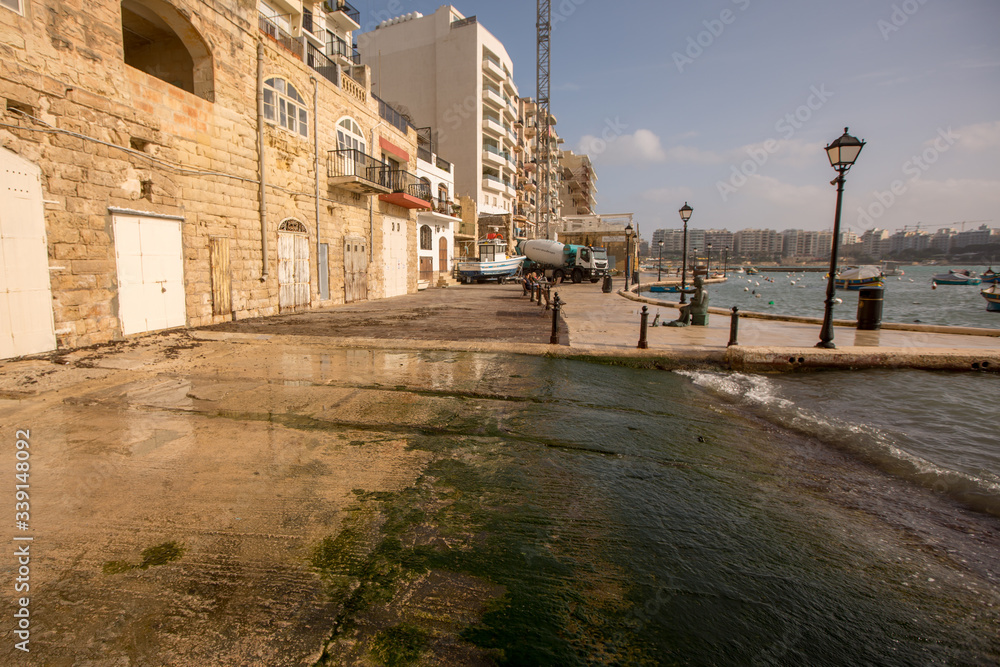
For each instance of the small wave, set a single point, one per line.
(864, 441)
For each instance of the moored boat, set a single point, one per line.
(963, 277)
(493, 262)
(859, 277)
(665, 288)
(990, 276)
(992, 296)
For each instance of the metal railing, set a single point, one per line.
(443, 206)
(342, 6)
(394, 118)
(407, 183)
(322, 64)
(424, 154)
(496, 151)
(270, 27)
(462, 22)
(352, 162)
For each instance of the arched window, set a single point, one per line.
(161, 41)
(350, 136)
(284, 106)
(426, 242)
(442, 192)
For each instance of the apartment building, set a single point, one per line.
(438, 225)
(147, 189)
(757, 242)
(446, 71)
(577, 184)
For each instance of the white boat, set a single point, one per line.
(493, 262)
(859, 277)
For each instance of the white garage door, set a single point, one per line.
(25, 296)
(394, 255)
(150, 273)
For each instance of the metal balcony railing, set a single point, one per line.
(496, 151)
(394, 118)
(442, 206)
(352, 162)
(424, 154)
(407, 183)
(269, 25)
(322, 64)
(343, 6)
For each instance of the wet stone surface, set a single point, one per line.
(270, 503)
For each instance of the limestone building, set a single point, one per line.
(184, 163)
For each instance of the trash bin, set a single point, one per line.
(870, 308)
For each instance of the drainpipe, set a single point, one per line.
(261, 161)
(371, 208)
(315, 84)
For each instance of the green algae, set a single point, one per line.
(482, 525)
(154, 556)
(399, 645)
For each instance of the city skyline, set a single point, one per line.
(728, 107)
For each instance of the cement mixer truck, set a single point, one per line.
(559, 260)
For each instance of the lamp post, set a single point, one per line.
(685, 212)
(842, 153)
(708, 267)
(628, 255)
(659, 262)
(725, 265)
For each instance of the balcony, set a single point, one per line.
(276, 27)
(493, 127)
(531, 186)
(342, 16)
(322, 64)
(493, 97)
(494, 156)
(496, 183)
(406, 190)
(493, 68)
(350, 169)
(444, 207)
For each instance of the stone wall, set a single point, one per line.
(109, 136)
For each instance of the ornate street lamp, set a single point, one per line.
(842, 153)
(725, 265)
(708, 267)
(659, 262)
(628, 254)
(685, 212)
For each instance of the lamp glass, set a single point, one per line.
(686, 212)
(844, 150)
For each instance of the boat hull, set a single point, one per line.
(665, 288)
(941, 279)
(857, 283)
(470, 271)
(992, 296)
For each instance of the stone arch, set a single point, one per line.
(161, 41)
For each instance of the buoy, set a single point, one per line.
(746, 289)
(770, 303)
(933, 285)
(838, 300)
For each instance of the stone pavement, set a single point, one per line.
(498, 318)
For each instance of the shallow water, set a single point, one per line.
(908, 298)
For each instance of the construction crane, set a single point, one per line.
(543, 24)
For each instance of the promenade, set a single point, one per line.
(598, 325)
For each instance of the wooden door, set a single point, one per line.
(222, 276)
(443, 266)
(355, 269)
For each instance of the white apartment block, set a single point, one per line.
(577, 187)
(757, 242)
(448, 72)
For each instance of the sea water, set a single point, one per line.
(726, 519)
(909, 298)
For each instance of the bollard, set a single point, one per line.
(548, 297)
(532, 299)
(606, 286)
(543, 290)
(734, 327)
(554, 338)
(642, 330)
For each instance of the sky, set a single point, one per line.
(728, 104)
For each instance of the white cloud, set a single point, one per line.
(982, 136)
(668, 196)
